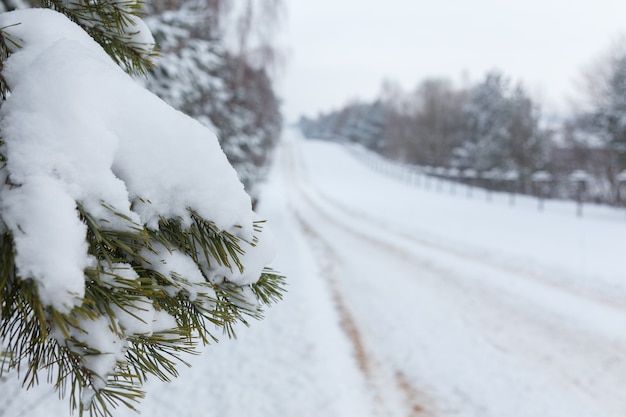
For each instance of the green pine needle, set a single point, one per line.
(38, 338)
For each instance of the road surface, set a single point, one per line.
(437, 330)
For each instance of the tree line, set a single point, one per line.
(494, 134)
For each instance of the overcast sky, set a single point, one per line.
(343, 49)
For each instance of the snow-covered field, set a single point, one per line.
(412, 301)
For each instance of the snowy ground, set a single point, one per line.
(413, 301)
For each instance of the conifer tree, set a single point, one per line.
(218, 86)
(104, 285)
(608, 119)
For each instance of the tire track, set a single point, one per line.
(370, 367)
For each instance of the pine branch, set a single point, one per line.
(40, 338)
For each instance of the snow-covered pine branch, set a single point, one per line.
(126, 235)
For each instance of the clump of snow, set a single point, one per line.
(138, 318)
(139, 32)
(255, 261)
(106, 347)
(76, 129)
(36, 213)
(183, 272)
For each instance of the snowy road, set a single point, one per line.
(439, 330)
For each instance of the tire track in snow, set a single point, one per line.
(412, 399)
(367, 363)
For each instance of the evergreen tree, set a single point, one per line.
(610, 117)
(601, 129)
(125, 237)
(487, 116)
(357, 122)
(247, 119)
(218, 87)
(528, 142)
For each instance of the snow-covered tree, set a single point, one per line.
(325, 126)
(529, 143)
(248, 120)
(357, 122)
(486, 115)
(501, 130)
(200, 76)
(600, 128)
(610, 117)
(125, 235)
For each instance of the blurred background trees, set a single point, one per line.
(496, 131)
(491, 126)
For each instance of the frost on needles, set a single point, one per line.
(126, 235)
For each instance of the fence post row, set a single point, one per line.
(541, 181)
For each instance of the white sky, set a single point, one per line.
(343, 49)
